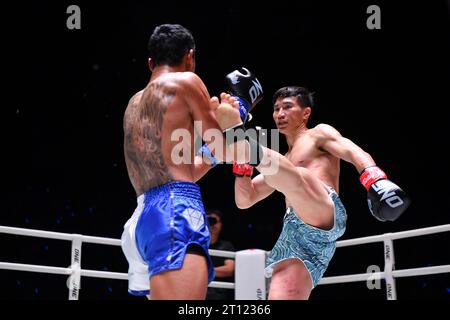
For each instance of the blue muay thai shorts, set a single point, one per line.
(168, 219)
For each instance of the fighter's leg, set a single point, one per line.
(290, 281)
(303, 190)
(188, 283)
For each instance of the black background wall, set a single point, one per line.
(66, 91)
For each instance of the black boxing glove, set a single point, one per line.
(386, 200)
(246, 88)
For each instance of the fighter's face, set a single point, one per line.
(288, 115)
(215, 227)
(215, 223)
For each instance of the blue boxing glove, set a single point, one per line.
(247, 89)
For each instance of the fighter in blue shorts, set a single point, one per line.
(166, 240)
(168, 223)
(308, 176)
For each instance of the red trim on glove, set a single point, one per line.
(371, 175)
(242, 169)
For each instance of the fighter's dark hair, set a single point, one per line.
(304, 96)
(214, 211)
(169, 43)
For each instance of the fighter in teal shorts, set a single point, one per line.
(308, 176)
(312, 246)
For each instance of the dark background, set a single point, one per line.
(66, 92)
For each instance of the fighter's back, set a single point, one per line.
(151, 117)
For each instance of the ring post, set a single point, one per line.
(389, 266)
(75, 277)
(250, 282)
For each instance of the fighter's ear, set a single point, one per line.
(307, 113)
(190, 60)
(191, 54)
(151, 65)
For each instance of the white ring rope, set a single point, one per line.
(381, 275)
(76, 238)
(87, 273)
(393, 236)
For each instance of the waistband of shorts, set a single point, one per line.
(176, 188)
(330, 190)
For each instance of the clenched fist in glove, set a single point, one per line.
(386, 200)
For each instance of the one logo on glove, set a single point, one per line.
(386, 193)
(255, 90)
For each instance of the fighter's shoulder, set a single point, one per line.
(184, 79)
(130, 111)
(135, 98)
(323, 130)
(133, 103)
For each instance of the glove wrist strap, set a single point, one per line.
(371, 175)
(242, 169)
(244, 108)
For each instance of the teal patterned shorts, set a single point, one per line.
(313, 246)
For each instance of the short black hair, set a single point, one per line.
(169, 43)
(214, 211)
(304, 96)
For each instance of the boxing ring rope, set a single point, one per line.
(75, 272)
(389, 274)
